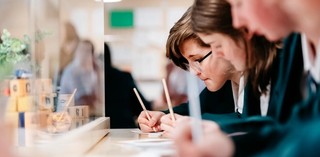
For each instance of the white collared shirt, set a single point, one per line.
(264, 101)
(238, 96)
(309, 64)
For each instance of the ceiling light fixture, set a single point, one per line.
(108, 1)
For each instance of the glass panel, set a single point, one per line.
(82, 35)
(52, 78)
(15, 28)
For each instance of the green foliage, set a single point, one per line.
(14, 50)
(11, 49)
(11, 52)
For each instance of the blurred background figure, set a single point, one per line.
(122, 105)
(68, 48)
(84, 74)
(177, 87)
(177, 81)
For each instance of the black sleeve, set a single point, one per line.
(136, 106)
(219, 102)
(183, 109)
(256, 141)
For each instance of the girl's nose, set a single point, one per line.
(237, 19)
(194, 71)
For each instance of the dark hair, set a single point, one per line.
(179, 33)
(107, 55)
(87, 41)
(214, 16)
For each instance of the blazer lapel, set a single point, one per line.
(286, 91)
(251, 104)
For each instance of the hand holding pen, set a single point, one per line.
(148, 119)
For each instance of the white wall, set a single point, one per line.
(141, 49)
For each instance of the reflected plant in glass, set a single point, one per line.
(12, 51)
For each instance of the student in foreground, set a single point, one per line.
(298, 136)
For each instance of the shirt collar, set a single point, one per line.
(308, 66)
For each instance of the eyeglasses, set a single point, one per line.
(195, 65)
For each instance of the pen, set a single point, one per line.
(168, 99)
(142, 105)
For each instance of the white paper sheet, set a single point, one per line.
(149, 143)
(155, 134)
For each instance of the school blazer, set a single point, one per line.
(219, 103)
(248, 110)
(285, 94)
(301, 134)
(121, 104)
(219, 106)
(287, 90)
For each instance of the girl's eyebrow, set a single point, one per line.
(192, 56)
(209, 43)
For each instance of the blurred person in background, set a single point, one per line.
(84, 74)
(121, 103)
(68, 48)
(177, 87)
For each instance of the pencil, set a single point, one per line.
(142, 105)
(168, 99)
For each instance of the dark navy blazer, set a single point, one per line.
(121, 104)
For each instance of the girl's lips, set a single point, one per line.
(204, 79)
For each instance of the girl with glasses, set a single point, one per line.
(227, 62)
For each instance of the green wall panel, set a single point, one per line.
(121, 19)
